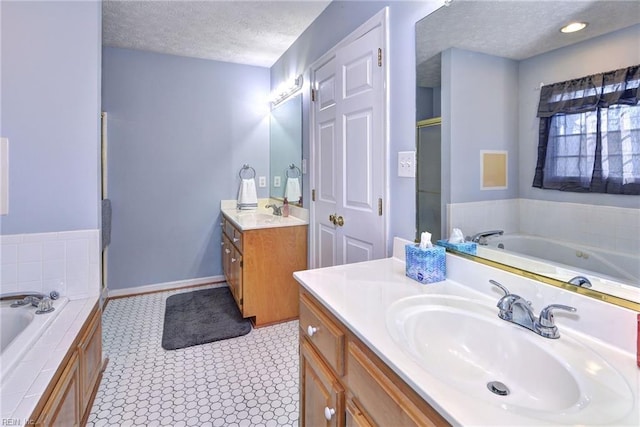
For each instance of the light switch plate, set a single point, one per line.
(276, 181)
(262, 181)
(407, 164)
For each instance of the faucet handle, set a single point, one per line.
(545, 325)
(546, 314)
(502, 287)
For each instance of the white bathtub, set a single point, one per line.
(20, 328)
(611, 272)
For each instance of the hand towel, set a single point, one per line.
(247, 195)
(292, 193)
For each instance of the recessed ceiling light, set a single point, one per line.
(573, 27)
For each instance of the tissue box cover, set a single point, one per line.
(470, 248)
(426, 265)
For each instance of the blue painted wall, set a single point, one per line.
(336, 22)
(50, 97)
(179, 131)
(481, 114)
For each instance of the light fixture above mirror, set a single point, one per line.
(285, 90)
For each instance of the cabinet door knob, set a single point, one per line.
(221, 243)
(311, 330)
(235, 239)
(233, 260)
(227, 250)
(328, 413)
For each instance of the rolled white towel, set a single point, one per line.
(247, 194)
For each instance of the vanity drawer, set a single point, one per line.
(234, 235)
(325, 335)
(384, 397)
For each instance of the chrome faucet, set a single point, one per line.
(481, 237)
(515, 309)
(36, 299)
(581, 281)
(277, 210)
(24, 298)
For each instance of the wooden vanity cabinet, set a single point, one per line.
(68, 398)
(334, 360)
(258, 265)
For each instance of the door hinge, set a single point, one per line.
(379, 57)
(380, 206)
(241, 264)
(313, 195)
(313, 94)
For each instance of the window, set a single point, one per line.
(589, 136)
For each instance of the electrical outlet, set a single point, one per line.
(276, 181)
(262, 181)
(407, 164)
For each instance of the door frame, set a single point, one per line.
(380, 19)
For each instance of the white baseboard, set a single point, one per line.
(218, 280)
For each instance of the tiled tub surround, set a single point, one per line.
(359, 295)
(67, 262)
(22, 388)
(570, 222)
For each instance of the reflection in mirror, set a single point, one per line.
(286, 151)
(480, 66)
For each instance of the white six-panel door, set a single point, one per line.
(349, 153)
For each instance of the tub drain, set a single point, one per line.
(498, 388)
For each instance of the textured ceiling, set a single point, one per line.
(245, 32)
(513, 29)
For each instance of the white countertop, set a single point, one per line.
(21, 391)
(262, 217)
(360, 294)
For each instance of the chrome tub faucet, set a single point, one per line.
(515, 309)
(36, 299)
(481, 237)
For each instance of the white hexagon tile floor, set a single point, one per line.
(246, 381)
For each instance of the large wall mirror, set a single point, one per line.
(480, 67)
(285, 154)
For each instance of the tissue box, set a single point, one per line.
(470, 248)
(426, 265)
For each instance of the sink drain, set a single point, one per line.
(498, 388)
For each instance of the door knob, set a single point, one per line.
(339, 221)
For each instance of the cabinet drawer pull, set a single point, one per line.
(328, 413)
(311, 330)
(233, 260)
(235, 239)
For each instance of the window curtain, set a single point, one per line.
(589, 134)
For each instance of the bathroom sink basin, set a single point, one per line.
(464, 344)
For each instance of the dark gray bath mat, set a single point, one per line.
(200, 317)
